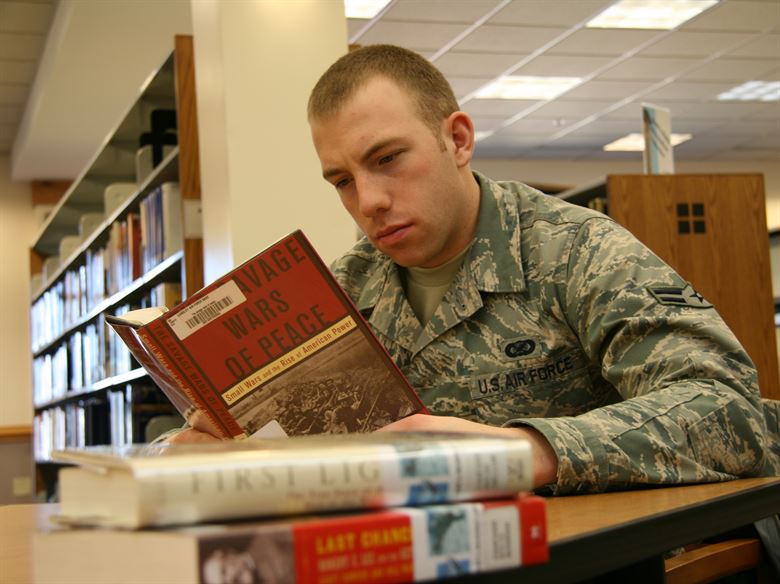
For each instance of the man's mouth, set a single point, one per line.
(392, 234)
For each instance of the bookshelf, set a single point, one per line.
(125, 234)
(711, 228)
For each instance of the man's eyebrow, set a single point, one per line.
(368, 154)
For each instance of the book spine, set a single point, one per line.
(159, 340)
(252, 483)
(403, 545)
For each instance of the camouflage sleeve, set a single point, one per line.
(692, 410)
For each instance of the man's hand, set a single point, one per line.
(201, 430)
(191, 436)
(545, 459)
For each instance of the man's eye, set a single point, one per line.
(388, 158)
(340, 184)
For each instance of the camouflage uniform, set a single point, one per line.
(561, 320)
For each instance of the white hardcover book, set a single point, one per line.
(169, 484)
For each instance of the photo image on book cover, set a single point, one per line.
(274, 347)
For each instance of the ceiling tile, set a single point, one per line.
(486, 124)
(764, 46)
(766, 111)
(462, 86)
(771, 140)
(497, 107)
(750, 127)
(577, 140)
(732, 70)
(26, 17)
(591, 41)
(440, 10)
(531, 126)
(17, 72)
(412, 35)
(549, 12)
(694, 44)
(562, 66)
(689, 91)
(722, 110)
(513, 39)
(613, 128)
(647, 68)
(458, 63)
(354, 26)
(600, 90)
(741, 16)
(21, 47)
(751, 154)
(569, 110)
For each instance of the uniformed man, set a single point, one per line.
(515, 313)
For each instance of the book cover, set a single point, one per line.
(169, 484)
(401, 545)
(275, 343)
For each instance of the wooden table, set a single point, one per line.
(589, 534)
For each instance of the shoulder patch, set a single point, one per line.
(679, 296)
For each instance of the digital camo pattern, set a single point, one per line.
(552, 322)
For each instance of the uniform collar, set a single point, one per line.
(494, 260)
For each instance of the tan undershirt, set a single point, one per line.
(425, 287)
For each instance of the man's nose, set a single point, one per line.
(373, 197)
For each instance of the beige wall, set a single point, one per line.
(16, 232)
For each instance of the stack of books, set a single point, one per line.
(384, 507)
(278, 361)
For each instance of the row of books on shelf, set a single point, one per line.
(92, 355)
(118, 417)
(135, 245)
(383, 507)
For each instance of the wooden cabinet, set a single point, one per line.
(711, 228)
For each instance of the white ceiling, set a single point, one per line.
(472, 42)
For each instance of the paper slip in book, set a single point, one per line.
(275, 341)
(173, 484)
(402, 545)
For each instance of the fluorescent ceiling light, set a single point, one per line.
(655, 14)
(482, 134)
(753, 91)
(520, 87)
(363, 8)
(636, 142)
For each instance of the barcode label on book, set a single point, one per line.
(205, 309)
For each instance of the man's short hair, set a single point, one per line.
(425, 83)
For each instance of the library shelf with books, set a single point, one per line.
(124, 235)
(712, 229)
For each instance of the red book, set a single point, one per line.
(378, 547)
(274, 346)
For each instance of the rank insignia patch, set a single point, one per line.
(679, 296)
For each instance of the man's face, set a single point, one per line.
(405, 189)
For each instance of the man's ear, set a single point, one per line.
(461, 129)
